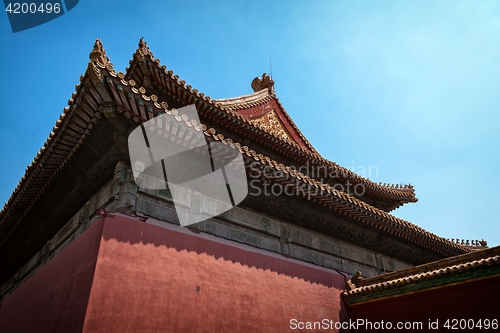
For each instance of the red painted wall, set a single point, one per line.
(471, 301)
(54, 298)
(124, 275)
(146, 279)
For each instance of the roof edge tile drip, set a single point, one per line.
(427, 271)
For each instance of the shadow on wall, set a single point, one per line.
(171, 236)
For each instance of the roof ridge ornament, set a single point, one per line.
(143, 47)
(98, 54)
(474, 243)
(354, 282)
(259, 84)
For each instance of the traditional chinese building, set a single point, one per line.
(83, 248)
(460, 292)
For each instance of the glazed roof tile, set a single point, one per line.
(325, 195)
(400, 193)
(435, 269)
(76, 123)
(246, 101)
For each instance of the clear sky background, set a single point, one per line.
(408, 88)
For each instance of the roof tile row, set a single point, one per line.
(263, 96)
(76, 131)
(412, 278)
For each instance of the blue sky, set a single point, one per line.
(408, 88)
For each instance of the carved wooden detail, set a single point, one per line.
(272, 124)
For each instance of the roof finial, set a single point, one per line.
(143, 46)
(259, 84)
(98, 54)
(271, 67)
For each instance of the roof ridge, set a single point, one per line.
(326, 195)
(234, 100)
(351, 200)
(257, 97)
(423, 275)
(404, 193)
(295, 126)
(144, 51)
